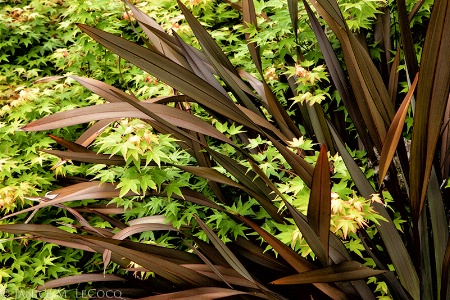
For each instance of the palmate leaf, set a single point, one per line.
(337, 252)
(394, 244)
(98, 190)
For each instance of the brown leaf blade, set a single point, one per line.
(93, 158)
(172, 115)
(445, 283)
(319, 208)
(339, 78)
(81, 278)
(249, 16)
(296, 261)
(206, 293)
(309, 234)
(394, 244)
(173, 272)
(346, 271)
(169, 72)
(394, 133)
(80, 191)
(225, 251)
(432, 96)
(206, 41)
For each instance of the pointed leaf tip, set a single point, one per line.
(319, 208)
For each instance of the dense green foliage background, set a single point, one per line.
(40, 38)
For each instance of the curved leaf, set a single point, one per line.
(249, 16)
(93, 158)
(133, 229)
(159, 44)
(228, 275)
(296, 261)
(394, 133)
(346, 271)
(173, 272)
(432, 97)
(206, 293)
(81, 278)
(206, 41)
(171, 73)
(394, 244)
(309, 234)
(125, 110)
(225, 251)
(80, 191)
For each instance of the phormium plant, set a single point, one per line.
(232, 178)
